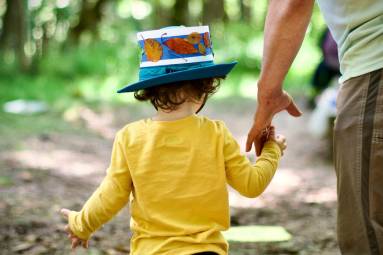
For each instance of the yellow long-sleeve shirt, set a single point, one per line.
(177, 173)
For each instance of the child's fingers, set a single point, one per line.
(65, 212)
(75, 243)
(283, 148)
(281, 138)
(85, 244)
(67, 229)
(272, 132)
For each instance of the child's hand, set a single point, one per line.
(76, 241)
(279, 139)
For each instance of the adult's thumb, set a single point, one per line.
(293, 109)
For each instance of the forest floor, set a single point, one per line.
(53, 160)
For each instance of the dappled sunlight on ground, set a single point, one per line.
(50, 169)
(69, 155)
(65, 162)
(288, 184)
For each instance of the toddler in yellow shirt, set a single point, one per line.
(173, 169)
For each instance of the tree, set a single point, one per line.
(161, 16)
(213, 10)
(90, 17)
(13, 35)
(245, 10)
(180, 13)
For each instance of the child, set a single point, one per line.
(175, 165)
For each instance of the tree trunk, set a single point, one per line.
(13, 35)
(162, 15)
(90, 17)
(180, 13)
(246, 10)
(213, 10)
(8, 18)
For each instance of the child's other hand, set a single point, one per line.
(75, 241)
(279, 139)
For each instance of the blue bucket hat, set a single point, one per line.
(176, 54)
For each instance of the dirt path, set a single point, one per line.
(51, 168)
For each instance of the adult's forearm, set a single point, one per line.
(285, 27)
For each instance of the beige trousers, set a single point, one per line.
(358, 154)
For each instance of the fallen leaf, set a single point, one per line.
(206, 39)
(122, 248)
(194, 38)
(201, 49)
(31, 238)
(110, 251)
(39, 250)
(180, 46)
(22, 247)
(25, 176)
(153, 50)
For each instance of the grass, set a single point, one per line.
(14, 128)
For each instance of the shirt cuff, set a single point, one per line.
(76, 226)
(273, 146)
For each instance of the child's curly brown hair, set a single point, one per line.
(169, 96)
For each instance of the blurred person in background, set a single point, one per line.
(357, 27)
(328, 68)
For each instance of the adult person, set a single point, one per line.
(357, 27)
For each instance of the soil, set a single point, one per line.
(60, 164)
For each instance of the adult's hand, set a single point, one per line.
(269, 104)
(285, 27)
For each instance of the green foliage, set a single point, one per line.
(88, 72)
(92, 69)
(18, 127)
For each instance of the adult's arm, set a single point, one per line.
(285, 27)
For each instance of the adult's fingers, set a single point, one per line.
(266, 134)
(251, 137)
(65, 212)
(258, 144)
(254, 134)
(257, 140)
(293, 109)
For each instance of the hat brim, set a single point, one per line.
(214, 70)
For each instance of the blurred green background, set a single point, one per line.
(65, 51)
